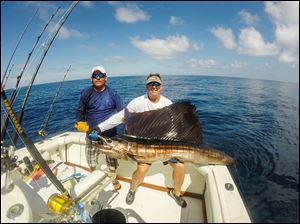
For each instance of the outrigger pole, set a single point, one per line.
(60, 24)
(2, 81)
(42, 132)
(30, 146)
(4, 121)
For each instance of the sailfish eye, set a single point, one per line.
(109, 141)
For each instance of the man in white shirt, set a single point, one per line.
(150, 101)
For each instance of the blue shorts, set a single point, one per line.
(172, 160)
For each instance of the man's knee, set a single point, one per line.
(142, 169)
(178, 166)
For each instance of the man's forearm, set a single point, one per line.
(112, 122)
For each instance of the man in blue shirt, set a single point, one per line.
(97, 103)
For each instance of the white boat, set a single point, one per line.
(210, 191)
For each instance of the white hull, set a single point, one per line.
(209, 201)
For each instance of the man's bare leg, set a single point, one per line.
(137, 179)
(178, 176)
(138, 175)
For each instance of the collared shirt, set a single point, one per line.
(95, 107)
(137, 105)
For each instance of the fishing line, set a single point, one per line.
(46, 39)
(19, 78)
(37, 41)
(45, 50)
(47, 47)
(39, 51)
(4, 84)
(26, 74)
(31, 64)
(19, 42)
(35, 55)
(42, 131)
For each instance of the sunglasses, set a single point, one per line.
(96, 76)
(153, 84)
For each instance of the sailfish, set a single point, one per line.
(162, 134)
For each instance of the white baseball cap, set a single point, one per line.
(99, 68)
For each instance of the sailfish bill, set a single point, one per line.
(173, 131)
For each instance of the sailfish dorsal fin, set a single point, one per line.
(177, 122)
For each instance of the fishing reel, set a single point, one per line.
(42, 132)
(8, 159)
(60, 204)
(65, 208)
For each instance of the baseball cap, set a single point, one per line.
(154, 77)
(99, 68)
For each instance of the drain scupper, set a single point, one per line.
(15, 211)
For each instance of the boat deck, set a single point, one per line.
(150, 206)
(152, 203)
(204, 189)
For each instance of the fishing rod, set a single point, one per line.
(60, 24)
(4, 121)
(7, 76)
(42, 132)
(30, 146)
(21, 37)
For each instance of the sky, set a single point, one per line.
(256, 40)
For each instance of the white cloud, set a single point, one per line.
(248, 18)
(115, 59)
(45, 12)
(88, 47)
(285, 12)
(65, 33)
(46, 9)
(130, 13)
(285, 17)
(87, 4)
(162, 48)
(175, 20)
(225, 36)
(207, 63)
(114, 3)
(238, 64)
(197, 46)
(113, 45)
(287, 56)
(252, 43)
(287, 36)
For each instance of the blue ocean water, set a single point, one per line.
(255, 121)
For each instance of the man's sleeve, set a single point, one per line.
(112, 122)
